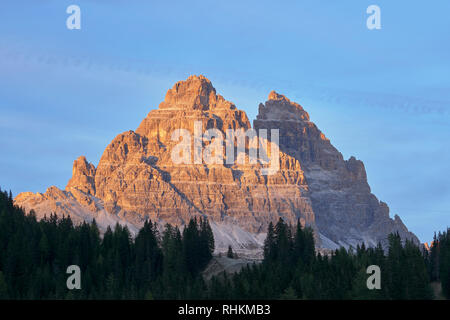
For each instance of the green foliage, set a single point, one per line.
(230, 253)
(3, 287)
(440, 261)
(292, 270)
(34, 256)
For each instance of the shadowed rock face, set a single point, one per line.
(83, 176)
(345, 210)
(136, 178)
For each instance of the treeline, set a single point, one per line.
(292, 270)
(34, 256)
(439, 261)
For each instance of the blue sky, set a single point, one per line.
(380, 95)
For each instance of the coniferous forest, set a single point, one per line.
(34, 256)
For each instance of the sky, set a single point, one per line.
(382, 95)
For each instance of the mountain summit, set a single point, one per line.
(137, 179)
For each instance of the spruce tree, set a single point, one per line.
(3, 288)
(230, 253)
(269, 245)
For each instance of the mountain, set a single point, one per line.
(137, 177)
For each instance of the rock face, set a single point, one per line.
(137, 179)
(83, 176)
(345, 210)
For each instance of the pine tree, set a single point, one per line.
(396, 268)
(191, 252)
(434, 259)
(3, 287)
(269, 245)
(289, 294)
(443, 245)
(230, 253)
(299, 244)
(417, 279)
(206, 242)
(283, 241)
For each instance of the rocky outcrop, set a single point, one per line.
(83, 176)
(345, 210)
(137, 179)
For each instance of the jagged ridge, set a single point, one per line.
(137, 180)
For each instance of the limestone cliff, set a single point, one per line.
(136, 178)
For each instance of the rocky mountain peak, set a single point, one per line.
(273, 95)
(194, 93)
(83, 176)
(194, 99)
(136, 178)
(279, 107)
